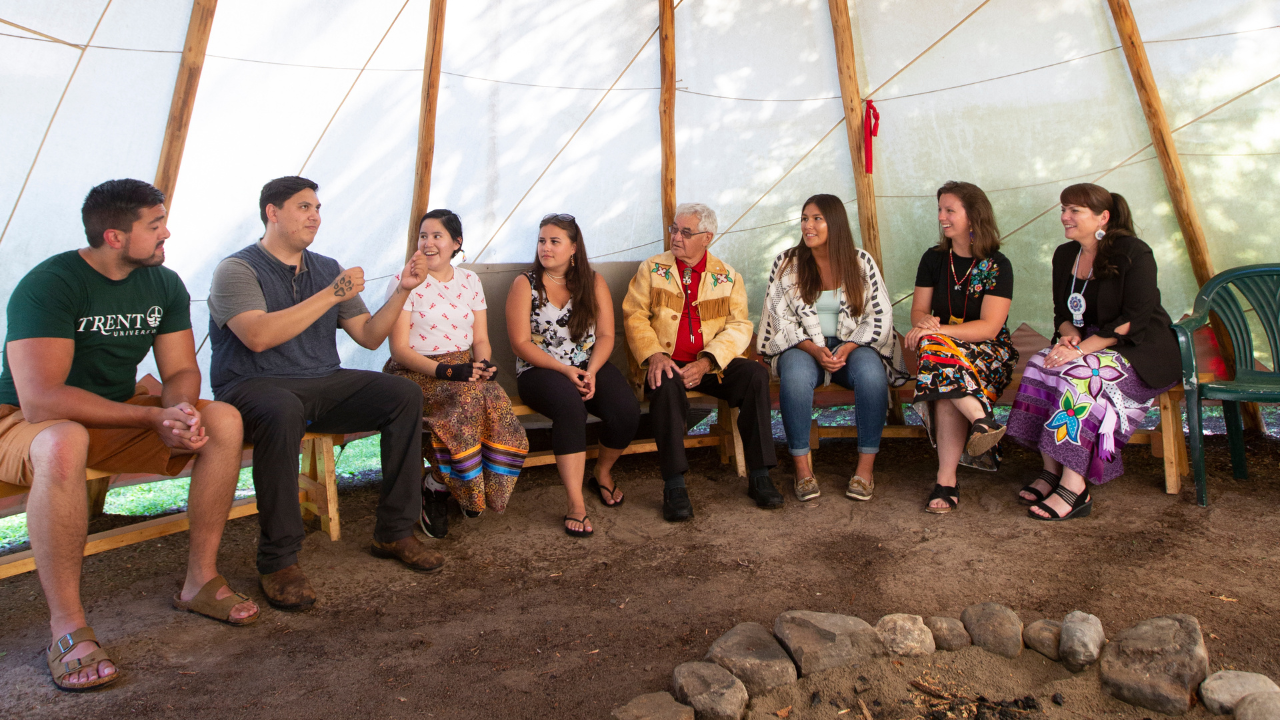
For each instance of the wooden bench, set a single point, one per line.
(497, 280)
(317, 494)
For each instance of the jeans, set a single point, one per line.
(863, 372)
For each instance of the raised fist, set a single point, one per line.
(349, 284)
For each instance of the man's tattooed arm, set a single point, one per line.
(342, 286)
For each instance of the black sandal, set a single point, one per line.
(1049, 478)
(1081, 505)
(584, 532)
(941, 492)
(985, 432)
(595, 486)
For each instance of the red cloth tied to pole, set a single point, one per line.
(870, 129)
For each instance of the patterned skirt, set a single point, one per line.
(951, 368)
(477, 443)
(1081, 413)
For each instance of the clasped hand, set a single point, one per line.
(583, 380)
(661, 364)
(928, 325)
(181, 427)
(1066, 350)
(832, 362)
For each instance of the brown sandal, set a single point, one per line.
(206, 603)
(60, 669)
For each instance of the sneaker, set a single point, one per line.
(761, 490)
(434, 520)
(807, 488)
(860, 488)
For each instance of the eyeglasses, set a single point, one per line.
(559, 217)
(685, 233)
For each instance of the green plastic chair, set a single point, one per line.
(1259, 286)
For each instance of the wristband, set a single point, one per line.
(460, 371)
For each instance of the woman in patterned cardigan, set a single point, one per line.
(827, 317)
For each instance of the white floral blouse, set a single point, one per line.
(549, 330)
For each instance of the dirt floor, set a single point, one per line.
(525, 622)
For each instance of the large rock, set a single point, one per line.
(1043, 636)
(1082, 639)
(905, 635)
(1259, 706)
(751, 653)
(711, 690)
(816, 643)
(1157, 664)
(1223, 689)
(654, 706)
(948, 633)
(994, 628)
(864, 638)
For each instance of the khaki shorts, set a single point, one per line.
(117, 450)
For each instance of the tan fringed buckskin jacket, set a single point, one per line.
(655, 299)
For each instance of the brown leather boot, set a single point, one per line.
(410, 551)
(288, 589)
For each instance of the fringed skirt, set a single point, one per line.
(477, 444)
(1081, 413)
(951, 368)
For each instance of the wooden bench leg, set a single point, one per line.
(815, 435)
(730, 438)
(1172, 444)
(319, 481)
(97, 490)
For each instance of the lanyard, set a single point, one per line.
(1075, 301)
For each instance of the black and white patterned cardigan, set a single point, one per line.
(787, 320)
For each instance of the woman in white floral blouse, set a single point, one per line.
(560, 321)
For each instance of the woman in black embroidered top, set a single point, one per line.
(967, 360)
(1081, 399)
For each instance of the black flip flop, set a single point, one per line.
(595, 486)
(941, 492)
(578, 533)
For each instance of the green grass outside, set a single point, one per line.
(169, 496)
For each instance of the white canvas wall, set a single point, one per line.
(1023, 98)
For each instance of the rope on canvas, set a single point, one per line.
(571, 137)
(52, 117)
(353, 87)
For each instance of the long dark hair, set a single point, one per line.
(579, 277)
(1120, 224)
(841, 251)
(983, 231)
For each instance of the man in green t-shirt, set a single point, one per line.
(79, 324)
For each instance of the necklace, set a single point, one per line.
(952, 319)
(557, 280)
(1075, 301)
(960, 282)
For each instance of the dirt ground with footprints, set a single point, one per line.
(525, 622)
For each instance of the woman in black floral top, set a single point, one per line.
(964, 286)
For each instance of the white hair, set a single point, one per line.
(706, 216)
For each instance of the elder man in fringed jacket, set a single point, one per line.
(686, 322)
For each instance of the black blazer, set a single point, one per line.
(1131, 296)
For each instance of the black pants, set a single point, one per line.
(745, 386)
(553, 395)
(277, 412)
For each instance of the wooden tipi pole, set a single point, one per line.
(1175, 178)
(184, 97)
(666, 114)
(426, 122)
(847, 66)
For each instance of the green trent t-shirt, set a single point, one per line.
(114, 322)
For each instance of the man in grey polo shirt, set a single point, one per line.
(274, 311)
